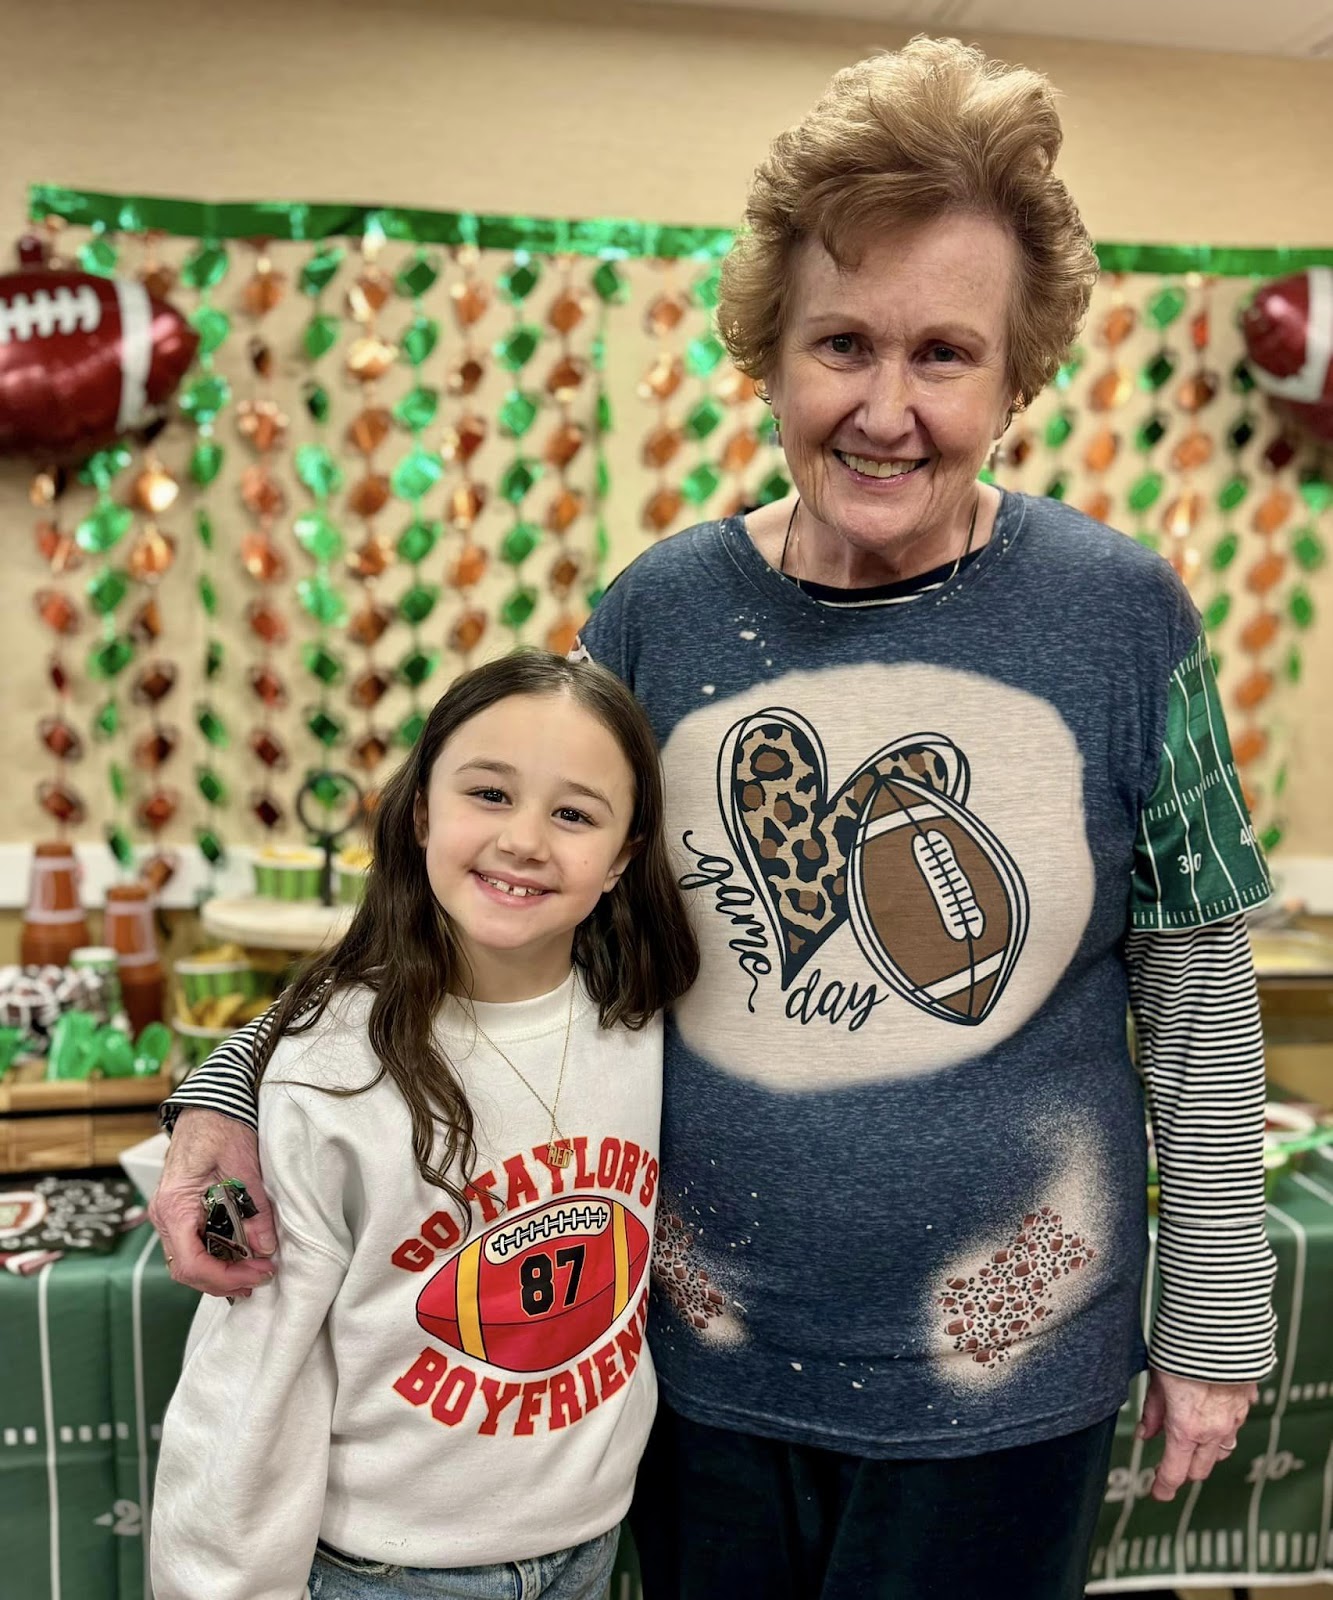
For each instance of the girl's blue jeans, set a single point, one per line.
(582, 1572)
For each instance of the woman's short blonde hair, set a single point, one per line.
(906, 137)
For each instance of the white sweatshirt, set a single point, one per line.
(408, 1394)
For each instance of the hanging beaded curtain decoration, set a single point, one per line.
(461, 426)
(57, 607)
(201, 271)
(466, 434)
(418, 470)
(1154, 427)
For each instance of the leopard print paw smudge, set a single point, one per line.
(699, 1302)
(989, 1312)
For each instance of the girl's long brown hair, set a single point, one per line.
(636, 951)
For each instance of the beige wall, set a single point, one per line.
(612, 109)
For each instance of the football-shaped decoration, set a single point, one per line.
(937, 904)
(1288, 330)
(538, 1289)
(20, 1211)
(83, 359)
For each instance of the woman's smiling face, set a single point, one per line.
(890, 389)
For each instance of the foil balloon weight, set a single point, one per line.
(1288, 330)
(83, 359)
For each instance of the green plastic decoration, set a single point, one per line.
(518, 411)
(418, 276)
(211, 786)
(518, 477)
(1059, 429)
(419, 341)
(416, 474)
(521, 279)
(1158, 372)
(418, 602)
(1224, 552)
(318, 536)
(320, 270)
(417, 666)
(212, 727)
(318, 471)
(410, 729)
(1233, 491)
(106, 589)
(210, 846)
(206, 462)
(320, 336)
(205, 267)
(1165, 306)
(518, 346)
(320, 600)
(109, 659)
(1308, 549)
(1216, 612)
(417, 408)
(703, 355)
(324, 726)
(212, 325)
(518, 606)
(417, 540)
(700, 483)
(322, 663)
(99, 256)
(1145, 491)
(205, 397)
(703, 418)
(519, 543)
(104, 527)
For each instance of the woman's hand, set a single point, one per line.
(1200, 1421)
(207, 1146)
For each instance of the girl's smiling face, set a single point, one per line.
(890, 389)
(525, 826)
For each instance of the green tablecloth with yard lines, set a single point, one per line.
(90, 1348)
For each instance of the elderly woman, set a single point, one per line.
(951, 785)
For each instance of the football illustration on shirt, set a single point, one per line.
(938, 909)
(935, 901)
(536, 1289)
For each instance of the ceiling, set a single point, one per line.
(1249, 27)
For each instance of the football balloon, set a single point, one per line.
(83, 359)
(1288, 330)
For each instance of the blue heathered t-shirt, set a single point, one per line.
(903, 1203)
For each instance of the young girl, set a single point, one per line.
(445, 1391)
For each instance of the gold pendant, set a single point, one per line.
(558, 1153)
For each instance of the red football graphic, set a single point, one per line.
(83, 359)
(1288, 329)
(938, 906)
(538, 1289)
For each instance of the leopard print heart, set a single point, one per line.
(792, 836)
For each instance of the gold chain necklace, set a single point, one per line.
(559, 1150)
(853, 605)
